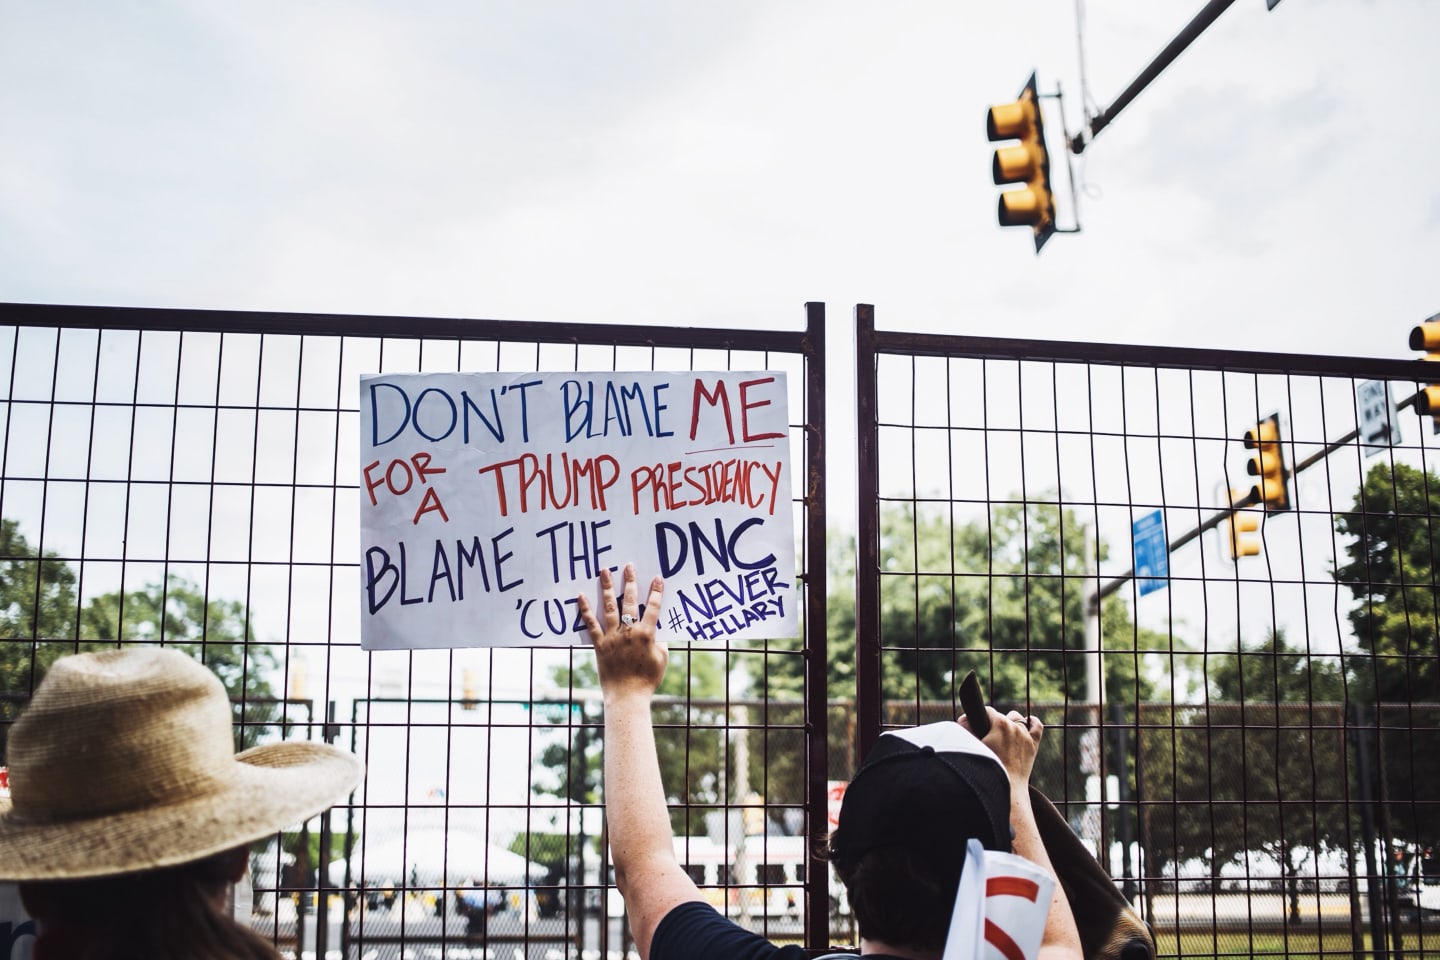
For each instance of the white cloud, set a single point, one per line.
(647, 162)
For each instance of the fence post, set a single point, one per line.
(817, 671)
(1364, 777)
(1387, 836)
(328, 731)
(1124, 795)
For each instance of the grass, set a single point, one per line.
(1302, 945)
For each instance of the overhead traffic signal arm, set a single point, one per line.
(1026, 162)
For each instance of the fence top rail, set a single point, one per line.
(1115, 354)
(181, 320)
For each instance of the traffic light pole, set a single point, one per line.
(1249, 500)
(1173, 49)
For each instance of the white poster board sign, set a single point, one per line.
(1000, 907)
(490, 501)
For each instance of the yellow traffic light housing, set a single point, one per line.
(1272, 486)
(1238, 526)
(469, 690)
(1426, 336)
(1027, 162)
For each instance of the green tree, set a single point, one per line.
(1258, 770)
(1004, 596)
(1273, 671)
(37, 603)
(40, 621)
(1389, 568)
(216, 632)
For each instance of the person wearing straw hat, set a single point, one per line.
(910, 812)
(130, 814)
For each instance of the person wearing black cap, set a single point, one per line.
(910, 810)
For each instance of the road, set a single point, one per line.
(416, 933)
(1189, 910)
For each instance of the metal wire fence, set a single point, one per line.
(1241, 679)
(1248, 743)
(190, 478)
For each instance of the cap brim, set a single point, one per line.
(271, 787)
(945, 736)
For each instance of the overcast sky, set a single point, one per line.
(720, 164)
(703, 164)
(654, 162)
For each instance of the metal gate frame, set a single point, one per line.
(872, 719)
(808, 344)
(872, 343)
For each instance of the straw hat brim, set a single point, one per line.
(272, 787)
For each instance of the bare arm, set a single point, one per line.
(1015, 740)
(631, 662)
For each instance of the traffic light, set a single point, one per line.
(1237, 525)
(1027, 162)
(468, 691)
(297, 679)
(1272, 486)
(1426, 337)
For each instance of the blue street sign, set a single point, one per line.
(1152, 554)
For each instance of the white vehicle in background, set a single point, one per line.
(427, 862)
(1417, 873)
(763, 878)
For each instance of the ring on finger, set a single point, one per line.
(627, 619)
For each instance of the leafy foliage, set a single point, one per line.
(41, 621)
(1261, 772)
(1390, 571)
(1004, 596)
(1273, 671)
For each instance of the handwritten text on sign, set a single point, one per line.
(489, 501)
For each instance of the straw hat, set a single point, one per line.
(124, 761)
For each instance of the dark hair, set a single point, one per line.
(173, 913)
(902, 897)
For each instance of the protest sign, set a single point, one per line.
(1000, 907)
(490, 501)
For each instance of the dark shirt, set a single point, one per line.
(695, 931)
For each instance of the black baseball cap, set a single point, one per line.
(931, 789)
